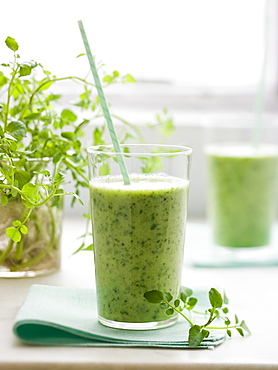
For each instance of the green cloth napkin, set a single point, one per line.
(57, 316)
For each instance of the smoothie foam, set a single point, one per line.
(138, 233)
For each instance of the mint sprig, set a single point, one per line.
(218, 311)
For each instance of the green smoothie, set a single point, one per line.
(138, 233)
(242, 183)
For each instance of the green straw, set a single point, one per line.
(104, 106)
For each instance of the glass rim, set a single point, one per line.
(176, 149)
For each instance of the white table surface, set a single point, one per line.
(253, 295)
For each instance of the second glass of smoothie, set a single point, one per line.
(242, 169)
(138, 230)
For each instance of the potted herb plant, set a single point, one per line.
(39, 145)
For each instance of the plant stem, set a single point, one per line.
(179, 312)
(135, 128)
(19, 249)
(38, 204)
(222, 327)
(55, 80)
(9, 95)
(47, 250)
(76, 169)
(7, 251)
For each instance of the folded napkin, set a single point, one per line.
(57, 316)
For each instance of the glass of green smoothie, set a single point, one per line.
(138, 230)
(242, 186)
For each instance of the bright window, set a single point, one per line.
(200, 44)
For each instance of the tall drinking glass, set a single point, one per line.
(242, 187)
(138, 230)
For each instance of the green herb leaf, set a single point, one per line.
(154, 296)
(25, 70)
(168, 296)
(104, 169)
(68, 115)
(225, 298)
(3, 200)
(16, 223)
(11, 43)
(68, 135)
(215, 298)
(240, 331)
(192, 303)
(17, 129)
(245, 327)
(170, 311)
(196, 335)
(31, 191)
(14, 234)
(186, 291)
(24, 229)
(227, 321)
(23, 177)
(164, 306)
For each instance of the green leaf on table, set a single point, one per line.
(196, 335)
(191, 303)
(215, 298)
(245, 327)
